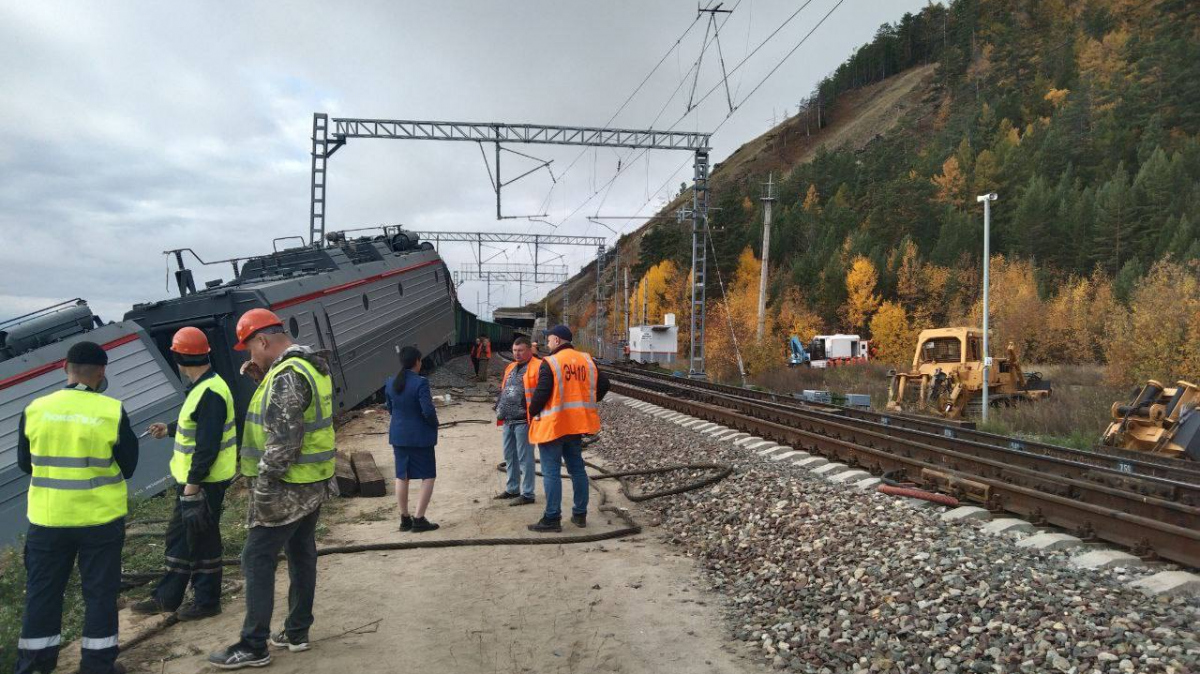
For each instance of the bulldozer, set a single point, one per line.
(947, 377)
(1158, 420)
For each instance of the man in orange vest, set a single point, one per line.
(562, 409)
(485, 356)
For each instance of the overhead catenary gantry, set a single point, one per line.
(329, 135)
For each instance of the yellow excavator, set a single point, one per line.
(1158, 420)
(947, 377)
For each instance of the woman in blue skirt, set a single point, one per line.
(413, 435)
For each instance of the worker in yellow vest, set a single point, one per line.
(562, 409)
(288, 450)
(79, 447)
(203, 464)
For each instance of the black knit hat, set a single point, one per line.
(87, 353)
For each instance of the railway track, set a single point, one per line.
(1136, 507)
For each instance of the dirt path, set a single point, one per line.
(630, 605)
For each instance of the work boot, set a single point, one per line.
(523, 500)
(281, 640)
(149, 606)
(238, 656)
(194, 611)
(545, 526)
(505, 495)
(579, 520)
(406, 523)
(421, 524)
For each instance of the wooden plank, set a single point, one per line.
(370, 480)
(347, 481)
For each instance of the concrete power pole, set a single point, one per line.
(767, 200)
(626, 293)
(987, 200)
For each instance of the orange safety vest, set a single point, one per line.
(571, 409)
(529, 381)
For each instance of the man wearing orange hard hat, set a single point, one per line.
(288, 451)
(203, 464)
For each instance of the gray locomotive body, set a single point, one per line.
(360, 299)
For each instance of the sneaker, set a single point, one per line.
(579, 520)
(406, 523)
(281, 640)
(238, 656)
(523, 500)
(194, 611)
(505, 495)
(544, 526)
(149, 606)
(421, 524)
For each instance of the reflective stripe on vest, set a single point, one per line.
(317, 453)
(76, 482)
(224, 467)
(572, 408)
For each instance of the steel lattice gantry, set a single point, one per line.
(331, 134)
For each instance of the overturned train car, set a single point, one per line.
(361, 299)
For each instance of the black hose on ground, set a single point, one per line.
(632, 528)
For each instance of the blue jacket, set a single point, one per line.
(414, 420)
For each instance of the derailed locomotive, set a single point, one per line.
(360, 298)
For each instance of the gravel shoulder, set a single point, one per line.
(827, 578)
(628, 605)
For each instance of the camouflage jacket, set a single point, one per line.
(273, 502)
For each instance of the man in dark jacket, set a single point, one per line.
(203, 464)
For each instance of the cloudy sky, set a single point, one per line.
(135, 127)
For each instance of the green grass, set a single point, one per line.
(140, 554)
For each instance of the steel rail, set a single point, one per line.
(1144, 533)
(1155, 488)
(1121, 461)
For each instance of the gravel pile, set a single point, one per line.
(458, 373)
(824, 578)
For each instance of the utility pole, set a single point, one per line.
(987, 200)
(626, 293)
(768, 198)
(644, 315)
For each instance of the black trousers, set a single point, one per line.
(260, 558)
(50, 555)
(194, 558)
(475, 364)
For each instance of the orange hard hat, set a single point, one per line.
(251, 322)
(190, 341)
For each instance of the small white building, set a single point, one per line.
(654, 343)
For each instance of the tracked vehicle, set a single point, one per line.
(946, 378)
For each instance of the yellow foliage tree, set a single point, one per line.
(812, 201)
(861, 300)
(1075, 320)
(950, 184)
(1155, 337)
(893, 336)
(1057, 96)
(1017, 313)
(795, 317)
(736, 315)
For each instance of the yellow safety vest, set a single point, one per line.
(76, 481)
(317, 454)
(185, 434)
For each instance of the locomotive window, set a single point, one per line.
(366, 302)
(294, 327)
(400, 289)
